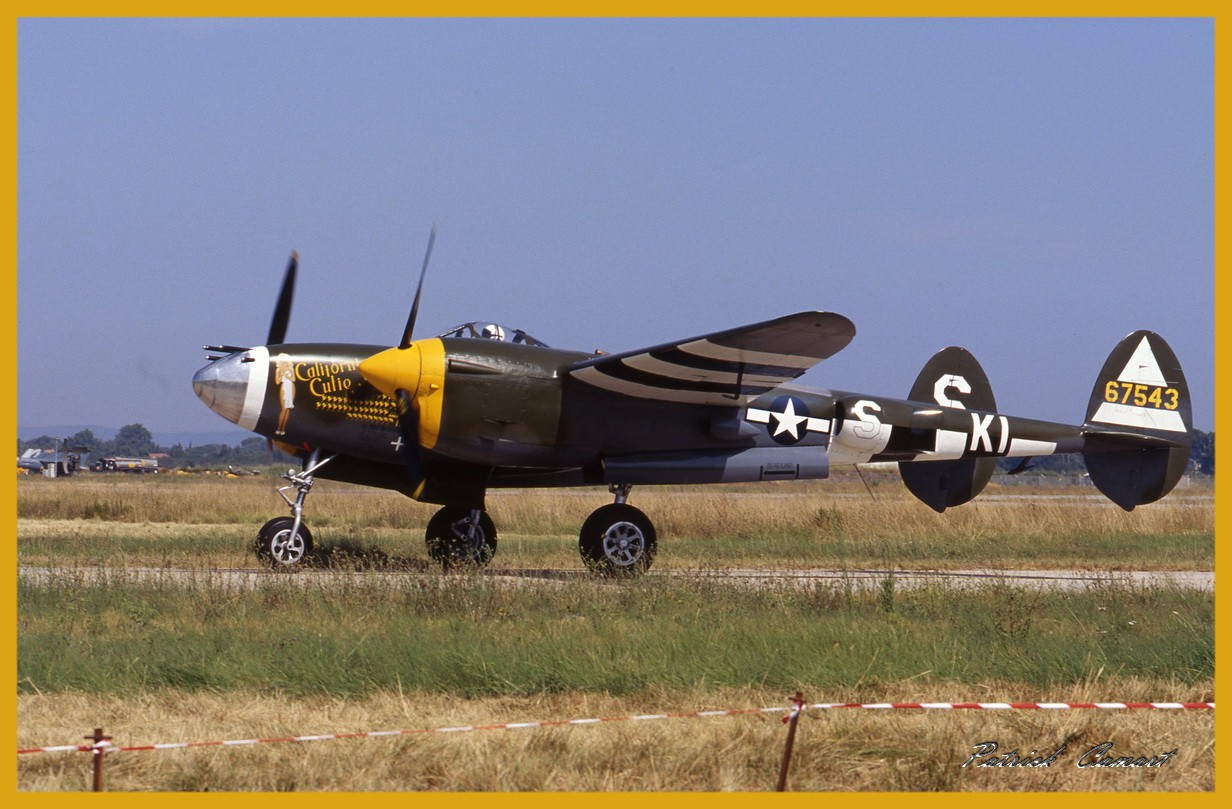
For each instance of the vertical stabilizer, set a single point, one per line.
(952, 378)
(1139, 422)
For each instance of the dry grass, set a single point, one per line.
(209, 522)
(855, 750)
(811, 524)
(684, 511)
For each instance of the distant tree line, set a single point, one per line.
(1201, 459)
(135, 441)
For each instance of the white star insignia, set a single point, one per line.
(788, 420)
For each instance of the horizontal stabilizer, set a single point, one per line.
(1135, 439)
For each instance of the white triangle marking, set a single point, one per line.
(1143, 367)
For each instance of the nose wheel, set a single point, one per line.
(618, 539)
(284, 543)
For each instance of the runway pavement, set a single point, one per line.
(251, 578)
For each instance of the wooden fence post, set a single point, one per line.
(98, 757)
(792, 719)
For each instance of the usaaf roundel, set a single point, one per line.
(787, 420)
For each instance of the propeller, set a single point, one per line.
(396, 373)
(282, 310)
(282, 317)
(408, 429)
(410, 321)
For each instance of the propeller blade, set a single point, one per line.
(408, 428)
(410, 321)
(282, 311)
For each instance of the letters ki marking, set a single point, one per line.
(981, 437)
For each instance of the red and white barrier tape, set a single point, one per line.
(990, 706)
(1020, 706)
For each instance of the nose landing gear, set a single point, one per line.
(284, 542)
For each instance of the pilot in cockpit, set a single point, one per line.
(491, 331)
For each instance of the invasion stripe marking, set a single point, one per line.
(677, 357)
(950, 445)
(650, 364)
(1026, 447)
(629, 374)
(705, 348)
(591, 376)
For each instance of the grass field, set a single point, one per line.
(183, 660)
(175, 520)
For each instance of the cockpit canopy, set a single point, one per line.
(479, 330)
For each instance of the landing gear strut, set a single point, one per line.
(618, 539)
(459, 536)
(284, 542)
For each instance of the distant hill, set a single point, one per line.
(104, 433)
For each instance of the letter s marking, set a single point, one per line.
(946, 382)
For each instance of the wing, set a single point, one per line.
(726, 368)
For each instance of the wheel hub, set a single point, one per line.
(470, 539)
(287, 549)
(623, 543)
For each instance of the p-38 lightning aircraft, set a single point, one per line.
(443, 419)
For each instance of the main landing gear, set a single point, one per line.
(618, 539)
(459, 536)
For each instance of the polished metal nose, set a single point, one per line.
(234, 386)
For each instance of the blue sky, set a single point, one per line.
(1031, 190)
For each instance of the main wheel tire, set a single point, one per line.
(277, 549)
(454, 542)
(617, 539)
